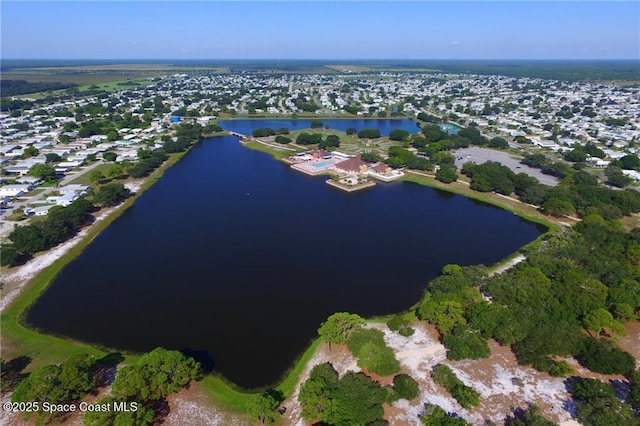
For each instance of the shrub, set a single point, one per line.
(603, 356)
(445, 377)
(462, 343)
(405, 387)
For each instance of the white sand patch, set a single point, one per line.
(134, 186)
(17, 278)
(187, 412)
(520, 386)
(570, 423)
(510, 264)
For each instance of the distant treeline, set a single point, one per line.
(22, 87)
(568, 70)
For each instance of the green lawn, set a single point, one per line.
(83, 179)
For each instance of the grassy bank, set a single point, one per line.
(229, 397)
(275, 153)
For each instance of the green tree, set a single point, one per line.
(601, 320)
(447, 174)
(445, 314)
(263, 407)
(405, 387)
(445, 377)
(339, 326)
(109, 156)
(616, 178)
(52, 158)
(30, 151)
(463, 343)
(399, 135)
(317, 391)
(378, 359)
(111, 194)
(558, 207)
(45, 172)
(155, 376)
(113, 136)
(58, 384)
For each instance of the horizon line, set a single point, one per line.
(319, 59)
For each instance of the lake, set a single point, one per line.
(385, 125)
(237, 259)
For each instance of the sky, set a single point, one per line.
(319, 30)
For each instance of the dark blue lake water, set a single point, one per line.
(236, 257)
(384, 125)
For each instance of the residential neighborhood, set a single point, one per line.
(71, 132)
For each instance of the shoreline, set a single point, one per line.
(30, 280)
(220, 390)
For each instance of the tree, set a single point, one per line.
(155, 376)
(378, 359)
(616, 178)
(600, 320)
(369, 134)
(339, 326)
(499, 143)
(282, 139)
(30, 151)
(405, 387)
(109, 156)
(445, 314)
(447, 174)
(371, 157)
(111, 194)
(45, 172)
(263, 407)
(445, 377)
(558, 207)
(113, 136)
(399, 135)
(463, 343)
(52, 158)
(355, 399)
(58, 384)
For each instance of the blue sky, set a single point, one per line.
(320, 30)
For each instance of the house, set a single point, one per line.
(632, 174)
(16, 190)
(73, 188)
(353, 165)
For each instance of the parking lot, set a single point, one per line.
(479, 155)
